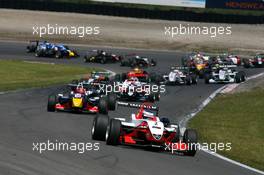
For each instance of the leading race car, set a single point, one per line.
(47, 49)
(100, 56)
(256, 61)
(144, 129)
(198, 63)
(179, 76)
(80, 99)
(137, 61)
(224, 74)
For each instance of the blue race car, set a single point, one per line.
(47, 49)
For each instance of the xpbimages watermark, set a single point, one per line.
(79, 31)
(212, 31)
(80, 147)
(212, 147)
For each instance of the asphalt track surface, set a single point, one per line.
(24, 120)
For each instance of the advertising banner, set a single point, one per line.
(236, 4)
(180, 3)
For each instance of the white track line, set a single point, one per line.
(184, 121)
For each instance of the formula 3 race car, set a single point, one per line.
(224, 74)
(257, 61)
(134, 90)
(144, 129)
(180, 76)
(80, 99)
(198, 63)
(137, 61)
(100, 56)
(47, 49)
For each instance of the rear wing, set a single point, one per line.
(227, 66)
(179, 68)
(134, 105)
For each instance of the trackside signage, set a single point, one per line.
(180, 3)
(236, 4)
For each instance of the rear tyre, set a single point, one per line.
(194, 79)
(103, 60)
(243, 77)
(238, 78)
(207, 78)
(52, 101)
(123, 76)
(188, 80)
(112, 101)
(113, 132)
(100, 124)
(190, 137)
(103, 106)
(151, 98)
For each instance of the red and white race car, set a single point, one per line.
(144, 129)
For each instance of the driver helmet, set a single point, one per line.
(147, 114)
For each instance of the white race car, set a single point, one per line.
(224, 74)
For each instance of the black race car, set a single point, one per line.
(137, 61)
(100, 56)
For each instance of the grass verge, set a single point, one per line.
(20, 75)
(236, 118)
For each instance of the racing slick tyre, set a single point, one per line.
(86, 59)
(112, 101)
(100, 124)
(243, 77)
(151, 98)
(38, 54)
(117, 77)
(113, 132)
(188, 80)
(238, 78)
(75, 82)
(103, 106)
(194, 79)
(58, 55)
(207, 78)
(52, 101)
(123, 63)
(190, 137)
(103, 60)
(123, 76)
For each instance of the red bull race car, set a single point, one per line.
(80, 99)
(144, 129)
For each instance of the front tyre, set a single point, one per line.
(100, 124)
(190, 137)
(112, 101)
(52, 101)
(113, 132)
(103, 106)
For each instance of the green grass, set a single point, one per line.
(19, 74)
(168, 8)
(236, 118)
